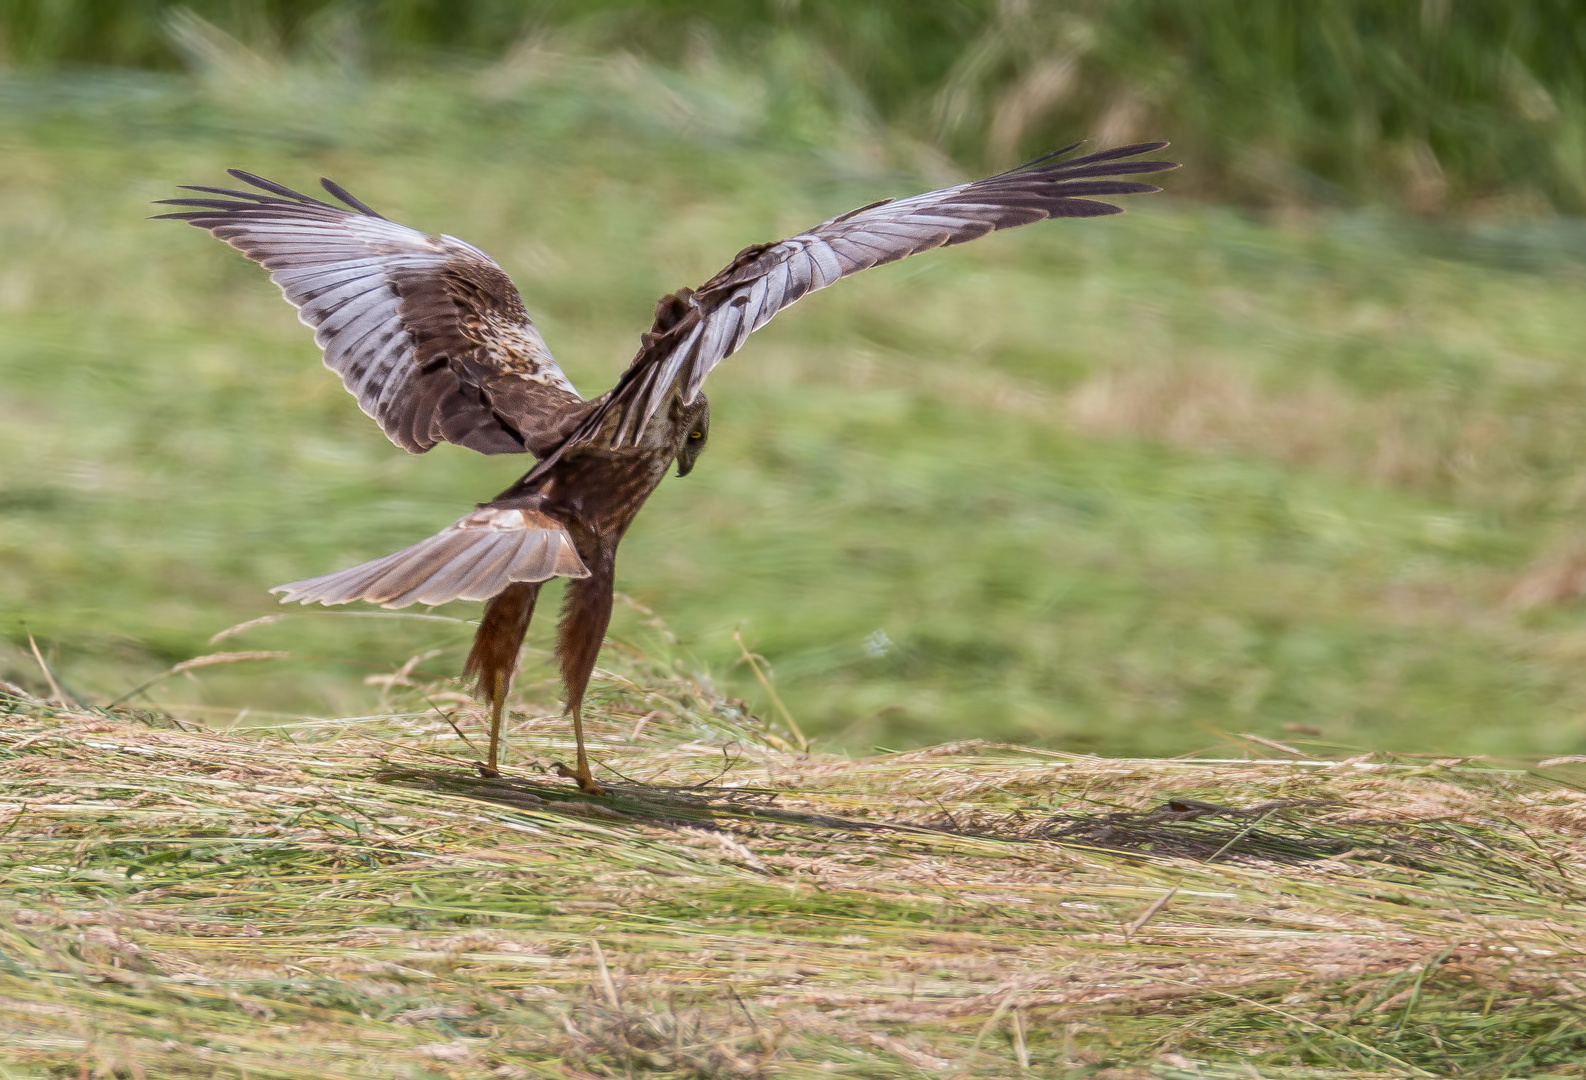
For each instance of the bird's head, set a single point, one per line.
(696, 433)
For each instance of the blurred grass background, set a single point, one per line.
(1294, 449)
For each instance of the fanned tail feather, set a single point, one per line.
(473, 559)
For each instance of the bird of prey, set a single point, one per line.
(431, 337)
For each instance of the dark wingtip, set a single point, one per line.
(349, 198)
(279, 196)
(1049, 161)
(280, 190)
(1042, 160)
(1117, 153)
(1054, 154)
(1136, 189)
(180, 215)
(1131, 149)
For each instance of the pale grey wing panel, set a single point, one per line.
(418, 327)
(769, 278)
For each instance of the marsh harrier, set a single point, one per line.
(431, 337)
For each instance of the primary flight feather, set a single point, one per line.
(434, 342)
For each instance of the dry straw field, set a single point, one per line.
(347, 899)
(1293, 451)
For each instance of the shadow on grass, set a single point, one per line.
(1283, 831)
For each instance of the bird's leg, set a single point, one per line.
(500, 684)
(585, 616)
(586, 779)
(493, 660)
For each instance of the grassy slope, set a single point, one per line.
(1096, 485)
(319, 901)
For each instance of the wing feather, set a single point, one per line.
(427, 333)
(768, 278)
(824, 261)
(326, 293)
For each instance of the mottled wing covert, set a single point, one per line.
(428, 333)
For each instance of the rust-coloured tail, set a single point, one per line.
(472, 559)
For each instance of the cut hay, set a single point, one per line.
(349, 899)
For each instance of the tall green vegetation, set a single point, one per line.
(1432, 104)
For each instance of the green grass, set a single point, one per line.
(1103, 486)
(338, 899)
(1431, 105)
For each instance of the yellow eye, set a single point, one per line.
(697, 435)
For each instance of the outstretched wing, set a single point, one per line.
(697, 329)
(428, 333)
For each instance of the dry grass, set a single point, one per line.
(347, 899)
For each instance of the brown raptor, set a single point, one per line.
(432, 338)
